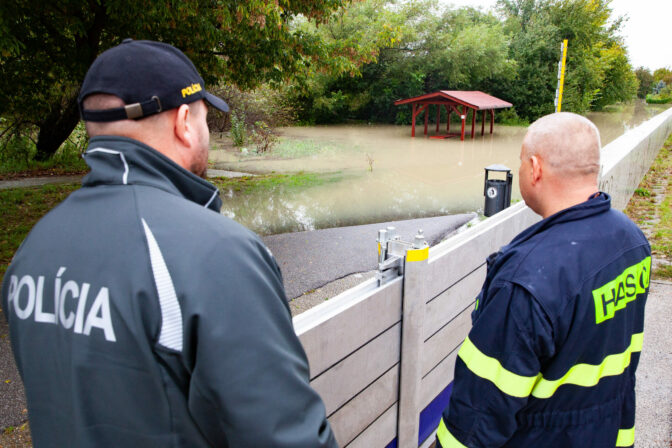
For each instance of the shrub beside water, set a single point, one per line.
(658, 99)
(238, 131)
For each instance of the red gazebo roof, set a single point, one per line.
(474, 99)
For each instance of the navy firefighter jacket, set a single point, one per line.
(557, 331)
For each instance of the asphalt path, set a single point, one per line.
(12, 400)
(310, 260)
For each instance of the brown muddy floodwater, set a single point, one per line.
(376, 173)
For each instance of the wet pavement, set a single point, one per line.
(309, 260)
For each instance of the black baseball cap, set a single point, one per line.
(148, 76)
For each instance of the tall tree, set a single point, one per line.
(423, 48)
(663, 74)
(46, 48)
(598, 71)
(645, 79)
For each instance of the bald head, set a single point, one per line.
(569, 144)
(559, 163)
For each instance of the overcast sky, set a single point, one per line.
(646, 33)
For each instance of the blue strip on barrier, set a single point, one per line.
(430, 416)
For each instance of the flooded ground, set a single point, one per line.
(380, 173)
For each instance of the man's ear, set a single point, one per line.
(537, 169)
(182, 126)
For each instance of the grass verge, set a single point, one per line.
(17, 157)
(253, 184)
(651, 208)
(21, 209)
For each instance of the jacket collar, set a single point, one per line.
(123, 161)
(596, 204)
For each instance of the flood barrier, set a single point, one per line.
(382, 357)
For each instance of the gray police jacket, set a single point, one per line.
(141, 317)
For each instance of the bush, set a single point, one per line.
(509, 117)
(658, 99)
(262, 104)
(238, 131)
(17, 150)
(263, 136)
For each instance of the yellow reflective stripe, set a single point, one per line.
(626, 437)
(417, 254)
(588, 375)
(446, 439)
(491, 369)
(585, 375)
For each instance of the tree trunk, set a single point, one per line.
(55, 129)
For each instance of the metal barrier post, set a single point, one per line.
(413, 316)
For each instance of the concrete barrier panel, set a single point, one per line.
(362, 352)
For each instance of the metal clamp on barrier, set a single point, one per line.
(392, 253)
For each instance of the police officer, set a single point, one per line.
(557, 328)
(139, 316)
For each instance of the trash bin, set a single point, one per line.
(497, 192)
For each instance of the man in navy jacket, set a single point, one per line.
(139, 316)
(558, 326)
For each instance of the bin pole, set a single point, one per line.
(509, 184)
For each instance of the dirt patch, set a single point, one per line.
(42, 172)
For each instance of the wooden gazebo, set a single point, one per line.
(458, 101)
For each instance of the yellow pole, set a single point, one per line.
(561, 83)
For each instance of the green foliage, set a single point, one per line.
(663, 74)
(597, 70)
(271, 182)
(21, 209)
(509, 117)
(46, 48)
(454, 49)
(264, 103)
(513, 56)
(645, 79)
(643, 192)
(658, 99)
(238, 131)
(18, 150)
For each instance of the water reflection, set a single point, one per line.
(410, 177)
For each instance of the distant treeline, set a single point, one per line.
(511, 52)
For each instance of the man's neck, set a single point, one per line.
(565, 200)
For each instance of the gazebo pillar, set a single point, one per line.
(448, 111)
(415, 106)
(464, 118)
(426, 117)
(473, 122)
(483, 123)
